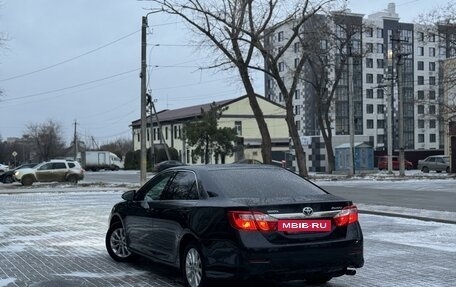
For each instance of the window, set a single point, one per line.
(280, 97)
(432, 124)
(379, 48)
(370, 93)
(380, 124)
(281, 66)
(421, 124)
(370, 109)
(379, 33)
(431, 66)
(420, 95)
(296, 62)
(420, 109)
(380, 139)
(431, 52)
(420, 51)
(238, 128)
(380, 109)
(154, 188)
(297, 94)
(138, 136)
(431, 37)
(175, 132)
(432, 81)
(297, 47)
(432, 95)
(166, 133)
(420, 36)
(280, 36)
(432, 138)
(369, 63)
(380, 93)
(380, 63)
(369, 47)
(148, 135)
(421, 138)
(298, 125)
(369, 78)
(182, 187)
(432, 109)
(59, 165)
(420, 65)
(369, 32)
(297, 110)
(370, 124)
(420, 80)
(379, 78)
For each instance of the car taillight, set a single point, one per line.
(346, 216)
(247, 220)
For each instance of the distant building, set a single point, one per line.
(423, 50)
(238, 115)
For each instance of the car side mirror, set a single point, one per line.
(129, 195)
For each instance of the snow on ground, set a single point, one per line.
(6, 281)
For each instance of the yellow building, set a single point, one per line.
(238, 114)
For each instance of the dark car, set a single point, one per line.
(7, 176)
(383, 163)
(167, 164)
(237, 221)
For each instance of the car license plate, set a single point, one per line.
(314, 225)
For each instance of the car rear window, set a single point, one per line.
(261, 183)
(71, 165)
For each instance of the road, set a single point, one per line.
(431, 194)
(57, 239)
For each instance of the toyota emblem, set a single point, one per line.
(307, 211)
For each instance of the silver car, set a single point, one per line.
(438, 163)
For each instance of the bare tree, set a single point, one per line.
(47, 139)
(238, 29)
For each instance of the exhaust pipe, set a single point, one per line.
(350, 272)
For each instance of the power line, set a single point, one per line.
(70, 87)
(68, 60)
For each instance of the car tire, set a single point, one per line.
(438, 171)
(318, 279)
(27, 180)
(448, 169)
(192, 267)
(8, 179)
(116, 243)
(73, 179)
(425, 169)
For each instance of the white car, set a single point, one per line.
(54, 170)
(3, 168)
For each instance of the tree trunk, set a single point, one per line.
(299, 150)
(266, 144)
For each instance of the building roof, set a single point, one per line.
(192, 111)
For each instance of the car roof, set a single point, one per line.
(212, 167)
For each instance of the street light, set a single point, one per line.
(143, 149)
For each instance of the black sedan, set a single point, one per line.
(7, 176)
(235, 222)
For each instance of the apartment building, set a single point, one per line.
(388, 56)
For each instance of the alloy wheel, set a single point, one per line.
(193, 268)
(119, 244)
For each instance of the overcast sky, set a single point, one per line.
(79, 61)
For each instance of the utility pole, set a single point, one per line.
(143, 155)
(152, 147)
(351, 113)
(75, 140)
(400, 70)
(165, 146)
(143, 130)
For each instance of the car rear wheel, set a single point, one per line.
(425, 169)
(27, 180)
(192, 265)
(73, 179)
(116, 243)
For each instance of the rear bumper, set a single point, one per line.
(228, 260)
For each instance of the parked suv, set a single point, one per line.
(438, 163)
(54, 170)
